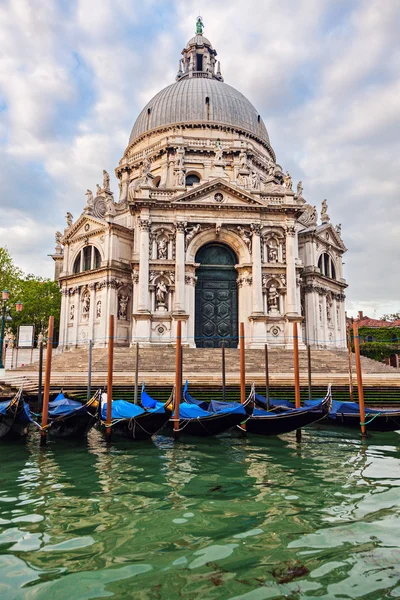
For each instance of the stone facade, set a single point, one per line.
(199, 169)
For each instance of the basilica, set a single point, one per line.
(207, 228)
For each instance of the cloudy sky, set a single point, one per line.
(74, 75)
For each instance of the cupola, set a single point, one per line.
(199, 57)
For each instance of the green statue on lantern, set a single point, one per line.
(199, 26)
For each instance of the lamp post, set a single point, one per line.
(18, 308)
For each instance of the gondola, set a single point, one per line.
(14, 417)
(347, 414)
(267, 422)
(71, 419)
(136, 421)
(210, 418)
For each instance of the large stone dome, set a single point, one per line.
(185, 102)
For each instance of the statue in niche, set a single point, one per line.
(273, 296)
(218, 151)
(192, 233)
(98, 309)
(255, 180)
(324, 212)
(161, 294)
(180, 178)
(329, 310)
(272, 255)
(86, 305)
(287, 179)
(243, 160)
(245, 237)
(162, 249)
(106, 181)
(69, 219)
(72, 312)
(300, 189)
(122, 307)
(90, 200)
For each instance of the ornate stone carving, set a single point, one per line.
(191, 232)
(255, 180)
(162, 249)
(272, 298)
(309, 217)
(85, 304)
(144, 224)
(171, 275)
(69, 219)
(291, 230)
(152, 276)
(180, 178)
(135, 276)
(244, 280)
(272, 254)
(243, 160)
(180, 226)
(72, 312)
(218, 151)
(110, 206)
(123, 307)
(255, 228)
(190, 279)
(324, 212)
(180, 158)
(245, 237)
(161, 295)
(282, 278)
(287, 181)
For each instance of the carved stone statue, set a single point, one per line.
(324, 212)
(98, 309)
(110, 206)
(90, 200)
(191, 233)
(86, 305)
(218, 151)
(122, 307)
(146, 166)
(255, 180)
(329, 310)
(106, 181)
(272, 255)
(271, 167)
(58, 236)
(300, 189)
(243, 160)
(71, 312)
(245, 237)
(69, 219)
(287, 180)
(180, 178)
(339, 229)
(98, 189)
(161, 294)
(273, 296)
(162, 249)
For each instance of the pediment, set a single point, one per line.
(85, 226)
(328, 235)
(218, 193)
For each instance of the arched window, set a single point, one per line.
(88, 259)
(326, 266)
(369, 338)
(191, 179)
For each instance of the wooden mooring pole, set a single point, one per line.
(178, 377)
(242, 369)
(136, 390)
(89, 385)
(46, 393)
(296, 374)
(223, 373)
(40, 382)
(110, 377)
(351, 388)
(359, 380)
(309, 371)
(266, 376)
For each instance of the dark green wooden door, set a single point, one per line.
(216, 298)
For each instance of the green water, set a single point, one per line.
(219, 518)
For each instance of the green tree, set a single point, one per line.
(391, 317)
(40, 297)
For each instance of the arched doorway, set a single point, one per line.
(216, 309)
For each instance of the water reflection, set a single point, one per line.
(217, 518)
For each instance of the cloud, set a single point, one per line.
(324, 76)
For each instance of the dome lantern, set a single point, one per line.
(199, 57)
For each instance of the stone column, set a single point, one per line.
(291, 298)
(180, 267)
(256, 269)
(143, 295)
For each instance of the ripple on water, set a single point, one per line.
(222, 518)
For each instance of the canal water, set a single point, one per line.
(225, 518)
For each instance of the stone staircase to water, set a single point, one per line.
(202, 367)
